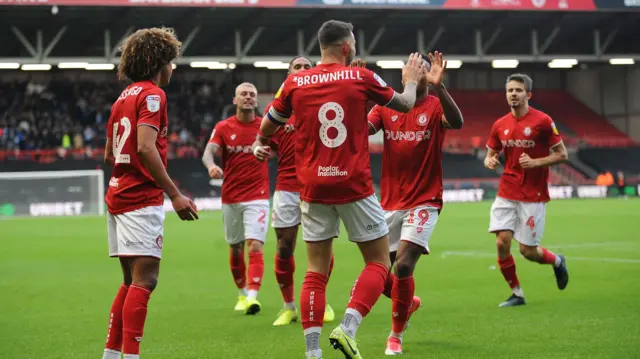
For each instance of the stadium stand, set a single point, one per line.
(592, 128)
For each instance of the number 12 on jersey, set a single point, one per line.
(119, 140)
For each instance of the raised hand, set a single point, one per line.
(359, 63)
(438, 66)
(414, 69)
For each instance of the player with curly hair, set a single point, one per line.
(137, 149)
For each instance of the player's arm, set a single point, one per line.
(210, 151)
(452, 115)
(494, 146)
(375, 120)
(558, 154)
(109, 158)
(403, 102)
(491, 160)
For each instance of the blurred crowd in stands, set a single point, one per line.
(71, 116)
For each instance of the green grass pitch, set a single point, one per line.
(57, 284)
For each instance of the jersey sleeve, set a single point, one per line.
(216, 134)
(494, 141)
(151, 105)
(280, 109)
(552, 133)
(377, 90)
(375, 117)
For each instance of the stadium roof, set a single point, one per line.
(246, 35)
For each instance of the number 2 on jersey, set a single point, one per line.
(119, 140)
(335, 123)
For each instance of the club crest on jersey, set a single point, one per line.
(423, 120)
(506, 132)
(394, 118)
(153, 103)
(233, 137)
(527, 131)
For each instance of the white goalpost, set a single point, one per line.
(52, 193)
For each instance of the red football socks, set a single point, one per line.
(548, 257)
(114, 335)
(134, 314)
(368, 287)
(256, 270)
(402, 296)
(238, 269)
(313, 299)
(285, 268)
(388, 285)
(508, 269)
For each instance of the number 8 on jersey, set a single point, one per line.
(335, 123)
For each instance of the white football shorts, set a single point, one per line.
(414, 225)
(286, 209)
(245, 220)
(137, 233)
(363, 220)
(525, 219)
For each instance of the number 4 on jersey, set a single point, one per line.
(119, 140)
(531, 223)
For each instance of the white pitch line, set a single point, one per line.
(594, 244)
(569, 258)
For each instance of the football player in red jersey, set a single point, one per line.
(531, 143)
(286, 213)
(137, 149)
(332, 164)
(411, 185)
(245, 194)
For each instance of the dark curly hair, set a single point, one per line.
(146, 52)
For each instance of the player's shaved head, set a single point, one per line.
(523, 79)
(334, 32)
(245, 86)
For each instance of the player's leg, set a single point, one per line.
(365, 223)
(529, 234)
(285, 220)
(394, 223)
(503, 223)
(320, 224)
(140, 238)
(417, 227)
(234, 235)
(255, 218)
(113, 347)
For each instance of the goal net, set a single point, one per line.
(52, 193)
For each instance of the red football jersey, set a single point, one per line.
(245, 178)
(412, 155)
(332, 146)
(131, 186)
(285, 143)
(533, 134)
